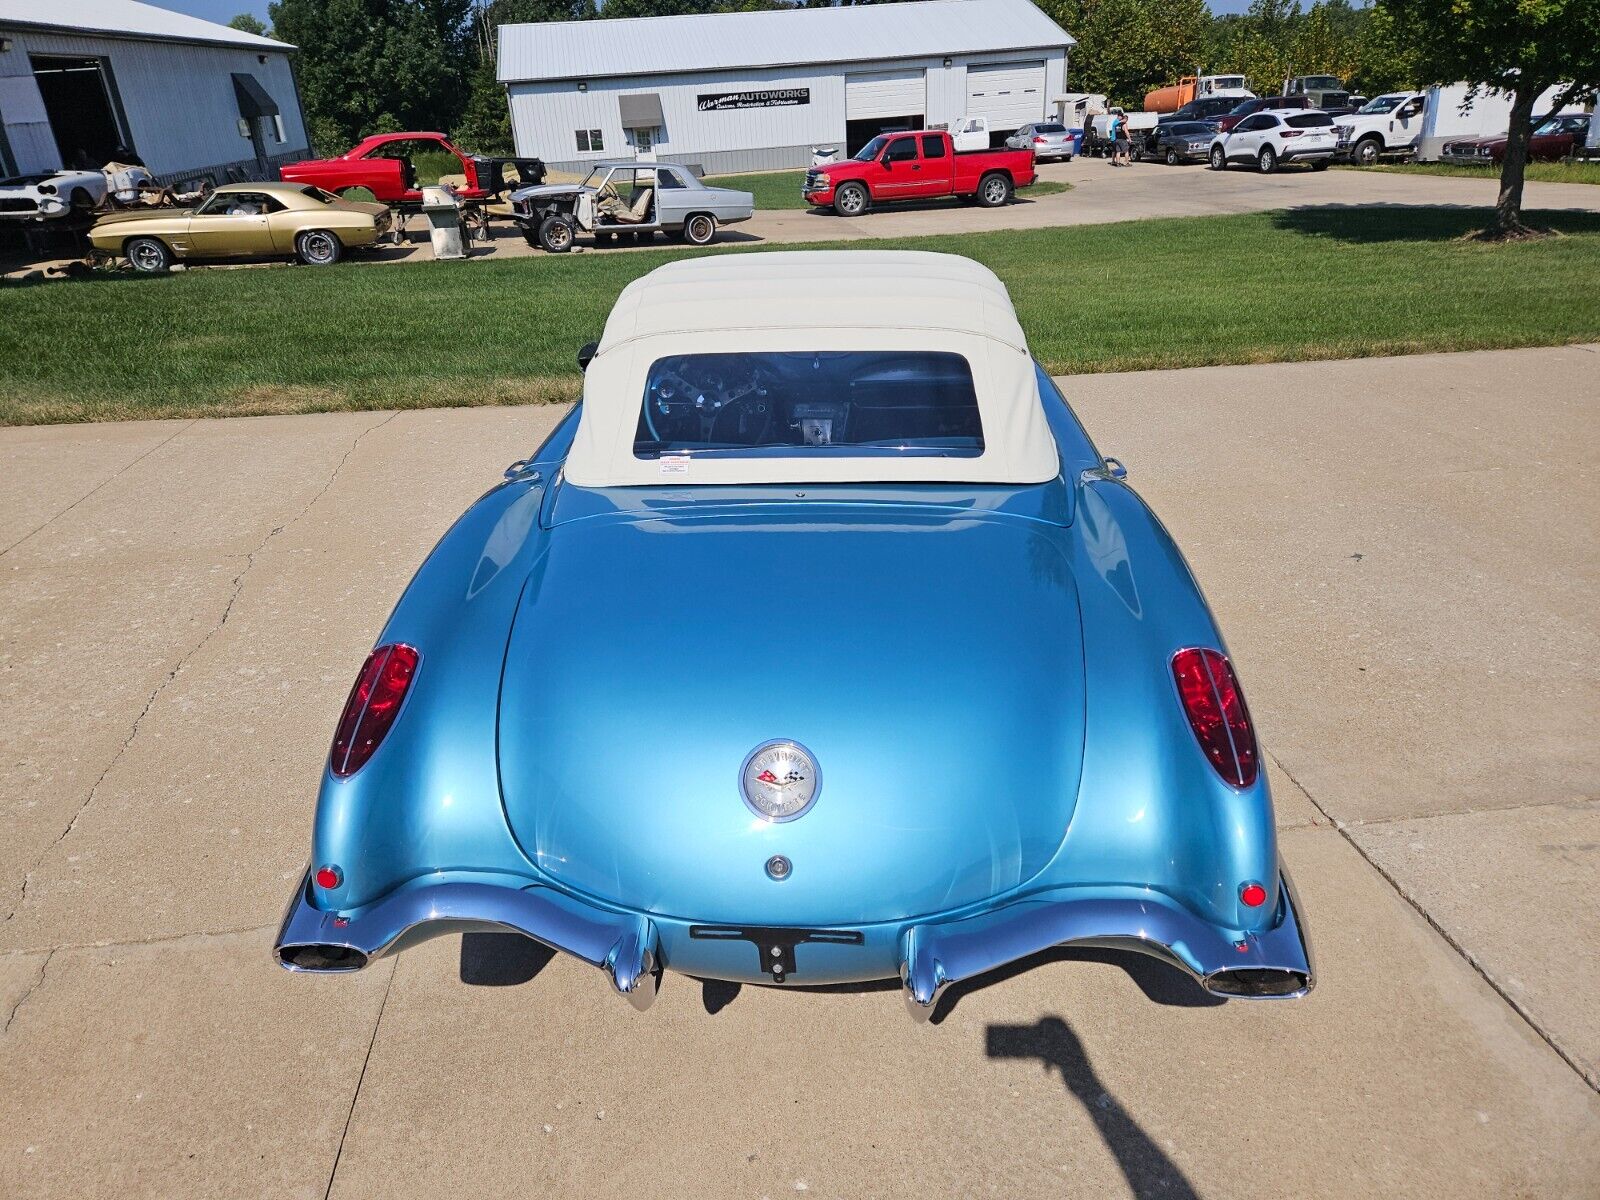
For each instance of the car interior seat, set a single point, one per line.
(639, 210)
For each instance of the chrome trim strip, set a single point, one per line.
(932, 957)
(626, 947)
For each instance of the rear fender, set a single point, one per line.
(1150, 808)
(429, 799)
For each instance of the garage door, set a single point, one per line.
(1009, 94)
(884, 94)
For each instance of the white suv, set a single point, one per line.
(1266, 139)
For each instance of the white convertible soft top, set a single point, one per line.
(804, 301)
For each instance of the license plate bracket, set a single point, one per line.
(775, 945)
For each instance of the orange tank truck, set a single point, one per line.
(1171, 98)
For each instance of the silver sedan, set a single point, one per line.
(1047, 139)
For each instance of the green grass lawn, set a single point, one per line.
(781, 189)
(1308, 283)
(1543, 172)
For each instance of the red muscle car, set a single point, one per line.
(382, 164)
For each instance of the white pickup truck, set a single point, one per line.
(1418, 123)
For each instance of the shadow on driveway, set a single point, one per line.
(1144, 1164)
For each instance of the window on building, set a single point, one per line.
(278, 133)
(590, 139)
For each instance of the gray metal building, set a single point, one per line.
(83, 82)
(757, 90)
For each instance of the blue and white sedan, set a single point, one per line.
(818, 644)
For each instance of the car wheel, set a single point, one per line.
(148, 255)
(1172, 157)
(850, 200)
(1219, 160)
(994, 190)
(555, 234)
(1366, 152)
(1267, 160)
(318, 248)
(699, 229)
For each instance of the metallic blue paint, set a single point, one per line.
(983, 674)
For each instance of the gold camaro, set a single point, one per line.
(243, 220)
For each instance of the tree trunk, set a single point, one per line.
(1508, 209)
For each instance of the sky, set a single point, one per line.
(223, 11)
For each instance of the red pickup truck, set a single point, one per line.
(382, 164)
(917, 166)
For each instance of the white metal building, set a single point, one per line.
(83, 82)
(757, 90)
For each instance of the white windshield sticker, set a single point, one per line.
(674, 464)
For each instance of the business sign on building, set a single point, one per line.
(771, 98)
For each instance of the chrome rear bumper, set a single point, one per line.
(625, 947)
(1274, 965)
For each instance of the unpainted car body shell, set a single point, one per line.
(671, 209)
(51, 195)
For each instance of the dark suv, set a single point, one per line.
(1247, 108)
(1207, 108)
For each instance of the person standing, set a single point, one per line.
(1119, 139)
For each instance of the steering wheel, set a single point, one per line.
(710, 398)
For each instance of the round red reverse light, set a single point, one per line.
(1253, 895)
(329, 878)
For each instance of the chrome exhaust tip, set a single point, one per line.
(322, 958)
(1258, 983)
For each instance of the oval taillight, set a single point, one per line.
(1215, 707)
(373, 705)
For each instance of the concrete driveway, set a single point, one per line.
(1403, 553)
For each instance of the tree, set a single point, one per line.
(248, 23)
(1127, 47)
(485, 123)
(1519, 47)
(377, 66)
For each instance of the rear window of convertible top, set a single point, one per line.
(786, 404)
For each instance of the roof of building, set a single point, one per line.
(126, 18)
(793, 301)
(724, 41)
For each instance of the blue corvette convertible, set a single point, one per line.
(818, 644)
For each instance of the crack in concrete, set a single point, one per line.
(158, 940)
(1378, 822)
(128, 466)
(333, 1173)
(237, 587)
(27, 995)
(1582, 1072)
